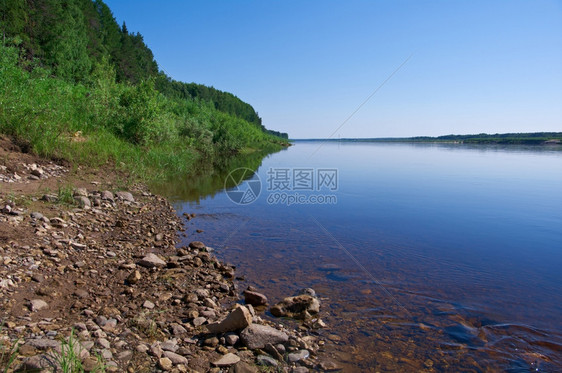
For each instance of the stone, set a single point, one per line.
(231, 339)
(148, 305)
(197, 245)
(299, 370)
(50, 198)
(36, 215)
(211, 341)
(38, 305)
(243, 367)
(165, 364)
(83, 202)
(239, 318)
(43, 344)
(125, 355)
(257, 336)
(198, 321)
(272, 350)
(134, 277)
(177, 329)
(152, 260)
(254, 298)
(39, 363)
(37, 172)
(125, 196)
(175, 358)
(104, 343)
(267, 361)
(226, 360)
(80, 192)
(169, 345)
(106, 195)
(299, 355)
(299, 307)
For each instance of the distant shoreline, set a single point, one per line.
(535, 138)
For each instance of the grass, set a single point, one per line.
(65, 195)
(68, 359)
(8, 353)
(132, 128)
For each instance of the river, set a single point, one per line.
(436, 257)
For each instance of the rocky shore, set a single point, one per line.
(90, 270)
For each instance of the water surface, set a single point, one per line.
(435, 257)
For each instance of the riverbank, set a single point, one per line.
(89, 258)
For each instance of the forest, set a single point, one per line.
(68, 67)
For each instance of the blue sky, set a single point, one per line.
(305, 66)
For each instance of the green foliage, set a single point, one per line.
(102, 121)
(8, 353)
(65, 195)
(76, 85)
(69, 357)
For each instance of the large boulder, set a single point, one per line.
(258, 336)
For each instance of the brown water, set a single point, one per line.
(433, 258)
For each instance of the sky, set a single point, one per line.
(367, 68)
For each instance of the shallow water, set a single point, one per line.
(435, 257)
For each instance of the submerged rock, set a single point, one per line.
(301, 307)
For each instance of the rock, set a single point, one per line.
(36, 215)
(272, 350)
(175, 358)
(239, 318)
(267, 361)
(297, 356)
(299, 370)
(38, 363)
(125, 196)
(165, 364)
(38, 305)
(198, 321)
(37, 172)
(257, 336)
(329, 366)
(148, 305)
(152, 260)
(83, 202)
(227, 360)
(169, 345)
(211, 342)
(50, 198)
(231, 339)
(104, 343)
(308, 291)
(177, 329)
(197, 245)
(134, 277)
(80, 192)
(254, 298)
(43, 344)
(243, 367)
(299, 307)
(106, 195)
